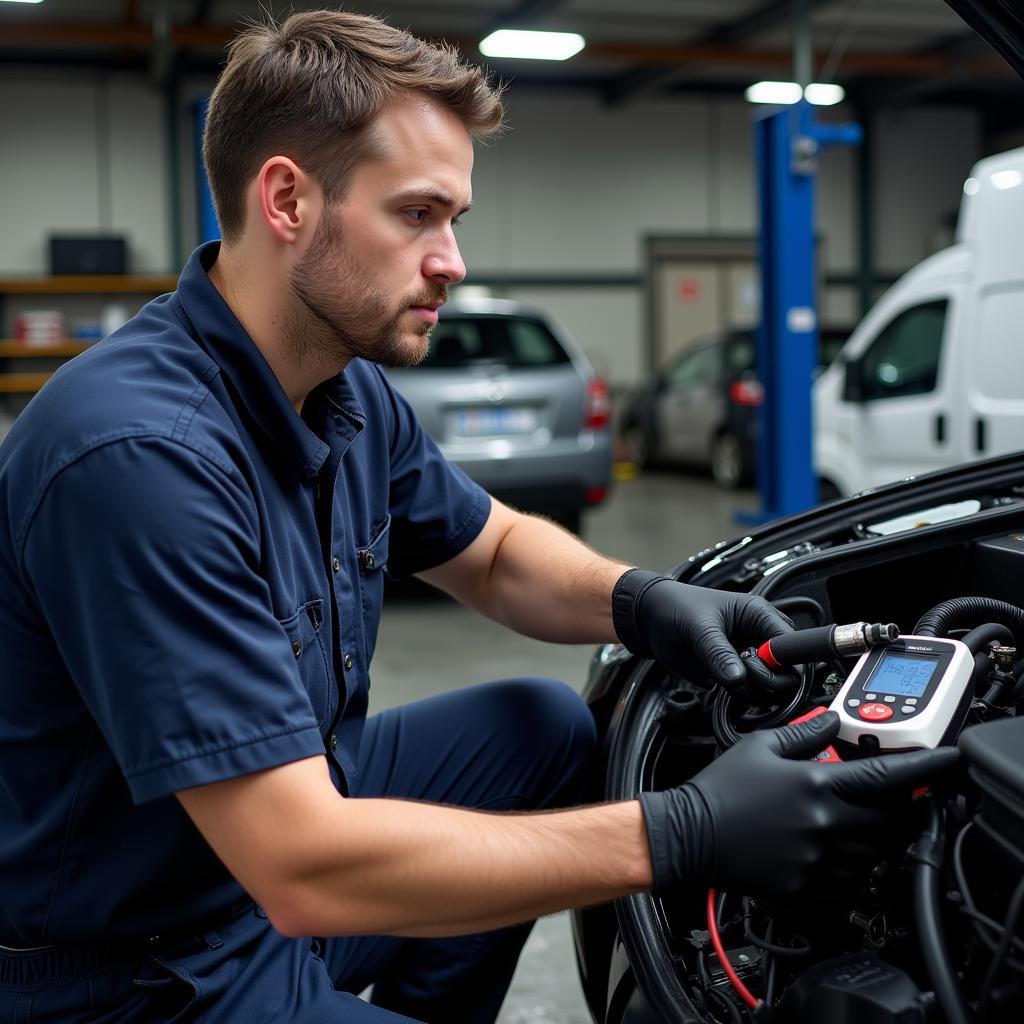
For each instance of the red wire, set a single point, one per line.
(716, 941)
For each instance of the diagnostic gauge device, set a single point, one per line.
(913, 692)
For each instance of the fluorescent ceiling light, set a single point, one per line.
(511, 42)
(824, 94)
(1007, 179)
(21, 1)
(821, 94)
(774, 92)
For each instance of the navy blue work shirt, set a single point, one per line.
(190, 588)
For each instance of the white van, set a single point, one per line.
(934, 374)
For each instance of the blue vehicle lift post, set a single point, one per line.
(788, 143)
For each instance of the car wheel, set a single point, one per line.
(638, 447)
(727, 466)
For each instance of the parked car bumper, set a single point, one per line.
(558, 476)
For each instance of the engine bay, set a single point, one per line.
(935, 931)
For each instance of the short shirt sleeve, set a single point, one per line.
(144, 557)
(436, 509)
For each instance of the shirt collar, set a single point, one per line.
(218, 331)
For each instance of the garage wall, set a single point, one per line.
(563, 201)
(83, 152)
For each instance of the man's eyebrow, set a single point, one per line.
(434, 196)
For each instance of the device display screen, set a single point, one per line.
(901, 674)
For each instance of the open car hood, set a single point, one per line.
(1001, 22)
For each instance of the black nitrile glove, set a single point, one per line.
(765, 821)
(693, 630)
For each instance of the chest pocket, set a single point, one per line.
(303, 630)
(372, 559)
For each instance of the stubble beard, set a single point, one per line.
(339, 313)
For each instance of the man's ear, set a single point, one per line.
(286, 198)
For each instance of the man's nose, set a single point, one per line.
(444, 264)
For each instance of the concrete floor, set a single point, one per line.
(654, 521)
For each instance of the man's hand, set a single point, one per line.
(692, 630)
(766, 821)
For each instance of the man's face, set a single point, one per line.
(380, 261)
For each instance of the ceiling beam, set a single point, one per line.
(963, 52)
(764, 18)
(49, 37)
(965, 55)
(673, 55)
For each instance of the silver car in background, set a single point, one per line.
(510, 397)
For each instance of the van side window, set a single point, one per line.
(904, 358)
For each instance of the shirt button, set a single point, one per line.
(334, 742)
(296, 648)
(336, 563)
(348, 662)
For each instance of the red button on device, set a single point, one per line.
(875, 712)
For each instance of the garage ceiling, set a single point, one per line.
(885, 52)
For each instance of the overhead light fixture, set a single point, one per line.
(511, 42)
(774, 92)
(21, 1)
(821, 94)
(824, 94)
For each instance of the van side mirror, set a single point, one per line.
(853, 387)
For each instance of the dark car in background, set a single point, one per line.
(701, 409)
(510, 397)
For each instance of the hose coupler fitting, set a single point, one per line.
(858, 637)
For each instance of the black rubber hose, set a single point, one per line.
(981, 636)
(966, 611)
(927, 852)
(801, 603)
(727, 735)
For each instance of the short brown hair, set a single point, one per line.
(310, 88)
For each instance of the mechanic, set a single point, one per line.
(196, 515)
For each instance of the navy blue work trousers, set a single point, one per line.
(511, 745)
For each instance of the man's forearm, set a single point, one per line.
(321, 864)
(538, 580)
(424, 870)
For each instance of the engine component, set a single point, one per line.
(946, 912)
(993, 752)
(855, 989)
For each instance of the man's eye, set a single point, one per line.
(419, 215)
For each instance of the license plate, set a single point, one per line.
(487, 422)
